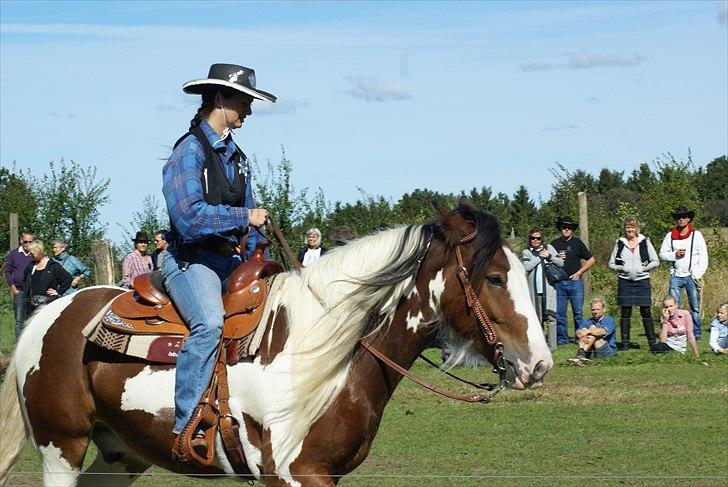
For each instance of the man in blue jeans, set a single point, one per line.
(15, 265)
(573, 251)
(685, 250)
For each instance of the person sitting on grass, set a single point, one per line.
(596, 335)
(719, 330)
(676, 329)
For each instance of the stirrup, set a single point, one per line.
(197, 448)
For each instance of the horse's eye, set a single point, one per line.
(495, 280)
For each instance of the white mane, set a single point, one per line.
(327, 310)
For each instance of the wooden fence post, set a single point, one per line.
(103, 262)
(584, 236)
(13, 231)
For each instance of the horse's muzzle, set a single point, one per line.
(535, 379)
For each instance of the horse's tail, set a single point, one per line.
(12, 426)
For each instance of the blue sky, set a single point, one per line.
(387, 97)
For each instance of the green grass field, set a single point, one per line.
(635, 419)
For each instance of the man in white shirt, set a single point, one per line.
(684, 248)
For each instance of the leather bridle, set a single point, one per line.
(486, 327)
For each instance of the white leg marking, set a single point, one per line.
(56, 469)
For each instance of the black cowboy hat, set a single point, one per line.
(683, 211)
(565, 221)
(141, 237)
(232, 76)
(341, 234)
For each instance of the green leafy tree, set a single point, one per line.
(16, 196)
(523, 211)
(714, 189)
(150, 218)
(69, 199)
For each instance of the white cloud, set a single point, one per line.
(722, 15)
(369, 88)
(556, 128)
(63, 115)
(278, 108)
(595, 100)
(584, 59)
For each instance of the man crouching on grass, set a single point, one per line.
(596, 335)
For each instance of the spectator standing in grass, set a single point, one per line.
(536, 256)
(161, 244)
(719, 330)
(676, 329)
(15, 265)
(45, 280)
(597, 335)
(71, 264)
(634, 257)
(572, 251)
(684, 248)
(136, 262)
(313, 249)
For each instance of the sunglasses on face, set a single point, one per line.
(534, 238)
(27, 241)
(571, 229)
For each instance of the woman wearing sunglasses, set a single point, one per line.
(536, 256)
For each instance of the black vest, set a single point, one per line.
(216, 189)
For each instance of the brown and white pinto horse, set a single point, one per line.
(310, 403)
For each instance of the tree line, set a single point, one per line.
(65, 202)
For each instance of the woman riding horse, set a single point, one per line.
(208, 190)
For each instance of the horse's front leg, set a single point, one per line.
(310, 475)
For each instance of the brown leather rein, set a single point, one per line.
(486, 327)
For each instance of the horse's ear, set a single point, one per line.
(454, 225)
(439, 209)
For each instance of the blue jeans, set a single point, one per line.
(197, 294)
(568, 291)
(20, 306)
(676, 284)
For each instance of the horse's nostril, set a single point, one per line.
(539, 371)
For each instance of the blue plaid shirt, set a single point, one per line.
(191, 216)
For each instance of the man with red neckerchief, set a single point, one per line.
(684, 248)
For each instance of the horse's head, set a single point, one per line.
(499, 309)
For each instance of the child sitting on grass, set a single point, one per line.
(676, 329)
(719, 330)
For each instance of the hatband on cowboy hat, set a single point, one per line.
(683, 211)
(141, 237)
(341, 234)
(565, 221)
(232, 76)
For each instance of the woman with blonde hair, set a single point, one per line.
(45, 279)
(313, 249)
(633, 258)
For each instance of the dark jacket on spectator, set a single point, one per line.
(37, 283)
